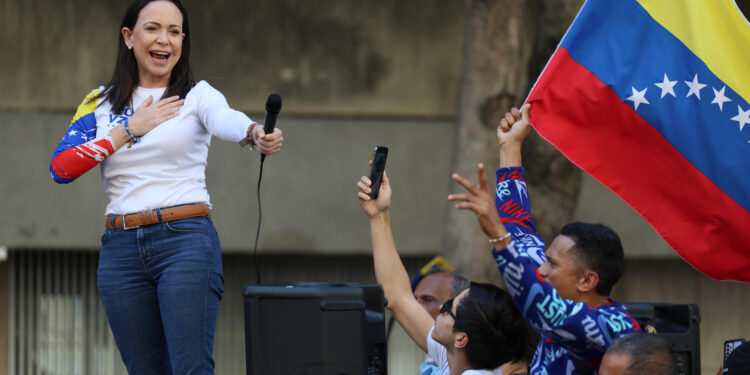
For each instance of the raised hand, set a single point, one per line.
(149, 115)
(374, 207)
(514, 126)
(481, 201)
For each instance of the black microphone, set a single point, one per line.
(273, 107)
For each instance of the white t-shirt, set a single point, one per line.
(438, 356)
(167, 167)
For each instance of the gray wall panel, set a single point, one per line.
(326, 56)
(308, 191)
(597, 204)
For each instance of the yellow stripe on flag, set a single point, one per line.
(715, 31)
(87, 106)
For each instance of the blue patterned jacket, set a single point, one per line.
(568, 329)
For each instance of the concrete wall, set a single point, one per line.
(353, 75)
(324, 57)
(597, 204)
(308, 191)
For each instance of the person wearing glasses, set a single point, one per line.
(433, 286)
(475, 332)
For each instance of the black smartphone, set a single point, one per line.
(730, 345)
(376, 170)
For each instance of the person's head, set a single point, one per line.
(738, 362)
(153, 51)
(483, 323)
(582, 260)
(437, 287)
(638, 353)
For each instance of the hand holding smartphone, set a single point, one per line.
(379, 155)
(730, 345)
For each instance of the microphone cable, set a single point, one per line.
(273, 106)
(257, 231)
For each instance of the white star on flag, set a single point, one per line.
(743, 117)
(695, 87)
(667, 87)
(638, 97)
(72, 132)
(719, 98)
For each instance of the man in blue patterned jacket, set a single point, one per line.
(564, 292)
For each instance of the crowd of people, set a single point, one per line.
(561, 291)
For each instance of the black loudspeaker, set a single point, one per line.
(678, 324)
(305, 328)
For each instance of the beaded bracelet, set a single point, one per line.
(133, 139)
(501, 238)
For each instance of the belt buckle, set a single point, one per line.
(125, 225)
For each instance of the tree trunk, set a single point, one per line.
(506, 44)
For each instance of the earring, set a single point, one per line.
(130, 47)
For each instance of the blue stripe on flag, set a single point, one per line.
(79, 132)
(626, 49)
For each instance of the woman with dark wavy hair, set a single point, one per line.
(160, 275)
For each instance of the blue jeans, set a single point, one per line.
(160, 286)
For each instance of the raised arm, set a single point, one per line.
(513, 129)
(389, 270)
(511, 194)
(573, 325)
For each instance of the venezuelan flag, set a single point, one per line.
(82, 129)
(650, 97)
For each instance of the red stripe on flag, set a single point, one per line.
(572, 109)
(75, 161)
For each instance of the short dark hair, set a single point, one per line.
(649, 354)
(119, 90)
(496, 329)
(600, 250)
(460, 280)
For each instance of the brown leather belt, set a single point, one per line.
(140, 219)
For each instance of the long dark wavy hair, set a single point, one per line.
(119, 90)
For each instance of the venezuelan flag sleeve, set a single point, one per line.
(650, 97)
(80, 148)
